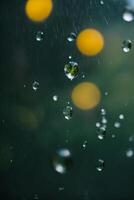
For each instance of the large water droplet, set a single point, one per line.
(100, 165)
(67, 112)
(35, 86)
(62, 161)
(128, 15)
(71, 70)
(102, 2)
(129, 153)
(71, 37)
(39, 36)
(126, 46)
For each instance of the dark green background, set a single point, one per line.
(31, 141)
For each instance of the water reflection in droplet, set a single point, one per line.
(71, 70)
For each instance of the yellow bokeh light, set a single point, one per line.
(86, 95)
(90, 42)
(38, 10)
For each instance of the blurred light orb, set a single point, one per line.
(86, 95)
(38, 10)
(90, 42)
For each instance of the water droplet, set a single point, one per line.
(36, 197)
(103, 111)
(100, 165)
(61, 189)
(117, 125)
(104, 120)
(126, 46)
(106, 93)
(70, 57)
(62, 161)
(131, 138)
(67, 112)
(71, 37)
(39, 36)
(102, 2)
(55, 97)
(113, 136)
(101, 132)
(129, 153)
(98, 124)
(35, 86)
(84, 144)
(121, 116)
(128, 15)
(71, 70)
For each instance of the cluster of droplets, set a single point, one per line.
(130, 151)
(102, 126)
(117, 124)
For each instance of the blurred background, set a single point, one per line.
(66, 118)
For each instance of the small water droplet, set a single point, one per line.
(106, 93)
(128, 15)
(71, 37)
(39, 36)
(100, 165)
(67, 112)
(131, 138)
(84, 144)
(129, 153)
(36, 197)
(101, 132)
(113, 136)
(102, 2)
(126, 46)
(103, 111)
(35, 86)
(121, 116)
(98, 124)
(71, 70)
(104, 120)
(70, 57)
(55, 97)
(61, 189)
(62, 161)
(117, 124)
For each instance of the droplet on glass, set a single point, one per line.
(71, 70)
(61, 189)
(100, 165)
(35, 86)
(113, 136)
(103, 111)
(117, 124)
(126, 46)
(128, 15)
(102, 2)
(39, 36)
(129, 153)
(121, 116)
(62, 161)
(70, 57)
(101, 132)
(84, 144)
(67, 112)
(36, 197)
(104, 120)
(98, 124)
(131, 138)
(106, 93)
(71, 37)
(55, 97)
